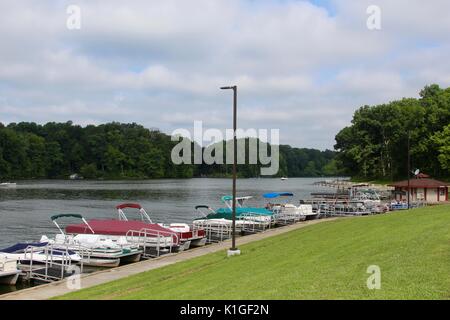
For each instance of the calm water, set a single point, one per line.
(25, 212)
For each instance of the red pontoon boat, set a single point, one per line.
(189, 236)
(151, 237)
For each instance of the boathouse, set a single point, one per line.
(422, 188)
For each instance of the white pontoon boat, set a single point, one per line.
(8, 185)
(285, 213)
(95, 249)
(9, 273)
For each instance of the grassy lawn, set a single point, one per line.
(324, 261)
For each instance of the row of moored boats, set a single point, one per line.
(123, 239)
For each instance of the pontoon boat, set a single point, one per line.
(286, 213)
(95, 249)
(248, 219)
(188, 236)
(8, 185)
(151, 238)
(9, 273)
(39, 253)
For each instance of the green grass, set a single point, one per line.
(323, 261)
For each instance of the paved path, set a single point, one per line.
(51, 290)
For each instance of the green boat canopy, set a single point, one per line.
(230, 198)
(67, 215)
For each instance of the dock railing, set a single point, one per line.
(56, 259)
(153, 242)
(254, 223)
(287, 218)
(215, 232)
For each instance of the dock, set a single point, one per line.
(342, 185)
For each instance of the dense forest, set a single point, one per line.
(118, 151)
(375, 146)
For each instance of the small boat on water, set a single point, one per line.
(9, 272)
(188, 236)
(284, 178)
(8, 185)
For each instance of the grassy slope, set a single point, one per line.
(324, 261)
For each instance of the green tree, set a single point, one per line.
(442, 141)
(89, 171)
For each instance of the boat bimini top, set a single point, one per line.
(70, 215)
(122, 216)
(226, 213)
(273, 195)
(240, 201)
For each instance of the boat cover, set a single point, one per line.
(227, 213)
(20, 247)
(277, 194)
(117, 228)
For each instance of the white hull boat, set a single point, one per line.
(218, 224)
(9, 273)
(287, 213)
(224, 227)
(39, 253)
(8, 185)
(96, 249)
(307, 211)
(188, 236)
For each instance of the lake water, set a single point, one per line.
(25, 212)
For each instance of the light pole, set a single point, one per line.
(409, 169)
(234, 251)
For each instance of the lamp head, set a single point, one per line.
(228, 88)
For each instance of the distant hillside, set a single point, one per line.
(119, 151)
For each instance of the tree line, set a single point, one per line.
(124, 151)
(375, 145)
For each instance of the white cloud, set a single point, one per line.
(299, 67)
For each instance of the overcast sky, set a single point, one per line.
(303, 67)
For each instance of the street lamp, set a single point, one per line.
(234, 251)
(409, 169)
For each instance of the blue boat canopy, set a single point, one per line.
(277, 194)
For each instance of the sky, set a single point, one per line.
(302, 67)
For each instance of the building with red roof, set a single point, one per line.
(421, 189)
